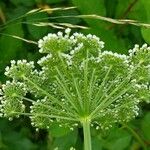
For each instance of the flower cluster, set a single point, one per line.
(13, 93)
(77, 80)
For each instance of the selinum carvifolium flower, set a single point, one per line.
(78, 84)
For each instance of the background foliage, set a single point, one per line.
(19, 134)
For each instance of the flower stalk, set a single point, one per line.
(87, 133)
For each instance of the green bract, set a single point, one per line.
(77, 81)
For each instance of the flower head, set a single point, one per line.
(76, 81)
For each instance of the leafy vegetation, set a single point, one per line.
(119, 36)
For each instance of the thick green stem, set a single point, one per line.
(87, 134)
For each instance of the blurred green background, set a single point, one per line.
(19, 134)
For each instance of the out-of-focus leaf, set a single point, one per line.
(10, 47)
(117, 140)
(54, 1)
(134, 35)
(66, 142)
(145, 125)
(138, 11)
(135, 10)
(146, 32)
(96, 144)
(111, 7)
(144, 7)
(79, 143)
(23, 2)
(131, 9)
(86, 8)
(14, 140)
(34, 31)
(121, 6)
(72, 12)
(56, 131)
(38, 1)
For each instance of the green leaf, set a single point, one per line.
(66, 142)
(14, 140)
(137, 10)
(118, 140)
(23, 2)
(10, 47)
(56, 131)
(35, 31)
(145, 126)
(145, 7)
(146, 31)
(96, 144)
(71, 12)
(111, 7)
(120, 7)
(146, 34)
(54, 1)
(86, 7)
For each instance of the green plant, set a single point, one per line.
(77, 84)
